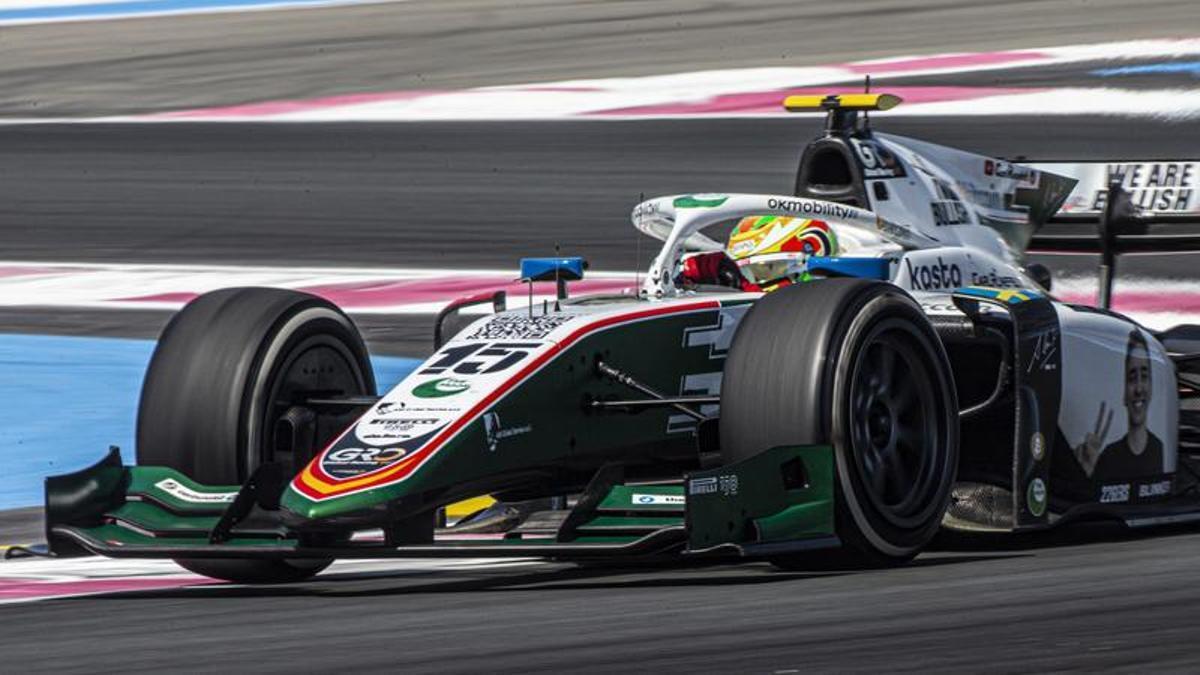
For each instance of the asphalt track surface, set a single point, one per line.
(93, 68)
(1092, 603)
(450, 195)
(474, 195)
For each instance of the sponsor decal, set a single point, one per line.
(389, 431)
(1045, 348)
(520, 327)
(1154, 186)
(700, 201)
(1037, 446)
(949, 209)
(352, 461)
(645, 210)
(1160, 488)
(1001, 169)
(184, 493)
(728, 484)
(1008, 296)
(1035, 497)
(995, 280)
(649, 500)
(933, 277)
(495, 433)
(702, 486)
(315, 483)
(877, 161)
(479, 359)
(1114, 494)
(439, 388)
(810, 208)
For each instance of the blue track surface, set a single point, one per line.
(110, 10)
(1170, 68)
(66, 399)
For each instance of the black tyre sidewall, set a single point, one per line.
(202, 404)
(870, 533)
(784, 384)
(208, 374)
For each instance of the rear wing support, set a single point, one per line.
(1120, 229)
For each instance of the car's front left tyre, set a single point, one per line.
(227, 368)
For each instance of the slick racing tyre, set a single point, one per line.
(853, 363)
(226, 369)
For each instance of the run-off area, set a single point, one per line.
(67, 399)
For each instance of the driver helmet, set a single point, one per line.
(768, 249)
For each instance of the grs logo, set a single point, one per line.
(346, 462)
(934, 277)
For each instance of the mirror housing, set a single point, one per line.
(552, 269)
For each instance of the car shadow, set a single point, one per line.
(1074, 534)
(546, 577)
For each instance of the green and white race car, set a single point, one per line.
(914, 376)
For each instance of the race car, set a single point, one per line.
(901, 372)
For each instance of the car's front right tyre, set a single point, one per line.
(854, 364)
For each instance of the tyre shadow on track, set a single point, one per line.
(1074, 534)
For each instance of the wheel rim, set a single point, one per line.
(320, 366)
(895, 432)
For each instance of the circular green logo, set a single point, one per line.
(445, 386)
(1035, 496)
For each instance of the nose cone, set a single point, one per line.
(302, 511)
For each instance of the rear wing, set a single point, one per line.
(1121, 228)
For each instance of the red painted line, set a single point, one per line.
(21, 271)
(283, 107)
(410, 465)
(1141, 301)
(387, 293)
(945, 61)
(19, 589)
(353, 295)
(770, 101)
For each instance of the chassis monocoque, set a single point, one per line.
(921, 378)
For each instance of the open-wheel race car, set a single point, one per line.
(867, 361)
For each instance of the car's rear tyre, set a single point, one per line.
(226, 368)
(856, 364)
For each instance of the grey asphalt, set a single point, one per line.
(111, 67)
(454, 195)
(440, 194)
(1107, 602)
